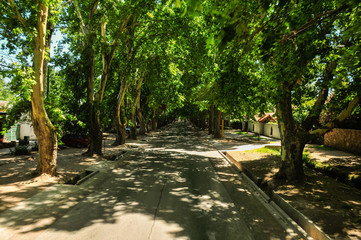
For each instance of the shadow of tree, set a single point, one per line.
(168, 190)
(333, 206)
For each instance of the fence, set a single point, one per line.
(13, 133)
(344, 139)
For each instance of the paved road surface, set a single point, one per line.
(174, 187)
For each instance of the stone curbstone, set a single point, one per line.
(273, 198)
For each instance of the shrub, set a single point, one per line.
(21, 150)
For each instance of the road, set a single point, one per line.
(175, 186)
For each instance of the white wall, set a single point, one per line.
(256, 127)
(272, 130)
(27, 130)
(264, 129)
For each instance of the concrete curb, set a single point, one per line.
(80, 181)
(274, 199)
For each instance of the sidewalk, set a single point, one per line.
(4, 151)
(245, 142)
(248, 136)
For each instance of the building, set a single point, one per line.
(265, 125)
(19, 131)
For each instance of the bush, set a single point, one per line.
(21, 150)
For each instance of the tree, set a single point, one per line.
(291, 75)
(6, 92)
(29, 23)
(151, 28)
(299, 47)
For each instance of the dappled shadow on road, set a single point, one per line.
(17, 181)
(12, 169)
(166, 191)
(12, 195)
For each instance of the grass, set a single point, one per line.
(273, 150)
(251, 136)
(323, 147)
(256, 137)
(331, 171)
(241, 133)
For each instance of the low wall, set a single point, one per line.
(272, 130)
(268, 129)
(344, 139)
(255, 127)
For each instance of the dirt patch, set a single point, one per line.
(333, 206)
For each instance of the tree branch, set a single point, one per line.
(340, 118)
(121, 29)
(311, 23)
(80, 17)
(17, 13)
(322, 97)
(93, 8)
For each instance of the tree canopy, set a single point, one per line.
(128, 63)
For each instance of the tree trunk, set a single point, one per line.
(96, 133)
(107, 58)
(133, 130)
(292, 146)
(119, 116)
(120, 129)
(154, 119)
(292, 140)
(43, 128)
(50, 27)
(89, 58)
(142, 128)
(211, 120)
(217, 129)
(245, 126)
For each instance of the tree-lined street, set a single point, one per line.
(81, 73)
(168, 191)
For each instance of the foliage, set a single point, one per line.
(5, 93)
(20, 150)
(244, 57)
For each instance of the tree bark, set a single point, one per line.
(211, 120)
(50, 27)
(217, 129)
(96, 132)
(142, 125)
(292, 145)
(133, 129)
(89, 69)
(292, 140)
(119, 124)
(119, 116)
(43, 128)
(154, 119)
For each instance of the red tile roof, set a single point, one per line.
(268, 117)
